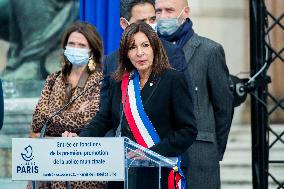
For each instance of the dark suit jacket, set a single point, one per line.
(213, 102)
(169, 108)
(212, 96)
(110, 64)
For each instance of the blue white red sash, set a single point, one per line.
(140, 125)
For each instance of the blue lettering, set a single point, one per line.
(60, 144)
(100, 174)
(27, 169)
(36, 169)
(18, 169)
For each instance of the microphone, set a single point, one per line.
(43, 130)
(118, 130)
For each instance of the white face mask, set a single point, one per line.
(154, 25)
(126, 21)
(168, 26)
(77, 56)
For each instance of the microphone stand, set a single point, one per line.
(118, 130)
(43, 130)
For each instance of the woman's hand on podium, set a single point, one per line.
(69, 134)
(136, 155)
(34, 135)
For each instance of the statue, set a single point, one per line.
(35, 29)
(4, 20)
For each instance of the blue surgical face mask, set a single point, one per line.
(77, 56)
(168, 26)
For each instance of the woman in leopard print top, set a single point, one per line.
(81, 69)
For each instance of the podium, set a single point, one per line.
(82, 159)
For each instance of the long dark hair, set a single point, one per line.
(160, 62)
(94, 40)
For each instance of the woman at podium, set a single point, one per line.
(148, 102)
(76, 86)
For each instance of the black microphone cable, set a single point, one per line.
(118, 130)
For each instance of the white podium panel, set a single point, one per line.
(68, 159)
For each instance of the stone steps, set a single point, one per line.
(243, 157)
(243, 175)
(236, 171)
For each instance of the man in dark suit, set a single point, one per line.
(139, 11)
(212, 97)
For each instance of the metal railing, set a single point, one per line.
(263, 54)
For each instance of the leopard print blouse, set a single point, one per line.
(52, 99)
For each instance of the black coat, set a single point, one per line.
(169, 108)
(168, 104)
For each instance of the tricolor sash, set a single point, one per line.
(141, 126)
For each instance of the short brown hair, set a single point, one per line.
(160, 62)
(94, 40)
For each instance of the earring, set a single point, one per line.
(92, 65)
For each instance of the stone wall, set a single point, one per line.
(226, 22)
(3, 54)
(17, 120)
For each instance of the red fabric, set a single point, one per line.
(178, 180)
(171, 180)
(128, 114)
(133, 127)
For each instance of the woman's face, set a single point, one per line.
(78, 40)
(141, 53)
